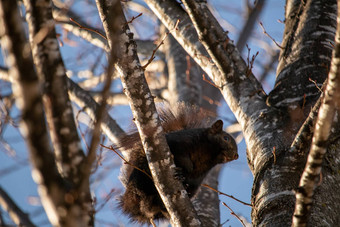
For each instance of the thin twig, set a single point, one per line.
(316, 85)
(209, 82)
(126, 161)
(158, 46)
(234, 214)
(88, 29)
(264, 32)
(107, 198)
(274, 154)
(82, 134)
(250, 63)
(230, 196)
(134, 18)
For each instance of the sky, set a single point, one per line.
(236, 178)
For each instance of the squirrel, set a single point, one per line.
(196, 149)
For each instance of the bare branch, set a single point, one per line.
(230, 196)
(234, 214)
(95, 35)
(264, 32)
(88, 29)
(29, 100)
(114, 99)
(183, 74)
(50, 68)
(249, 25)
(96, 38)
(157, 47)
(134, 18)
(83, 98)
(112, 25)
(152, 136)
(126, 162)
(18, 216)
(312, 171)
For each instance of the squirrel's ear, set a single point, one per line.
(217, 127)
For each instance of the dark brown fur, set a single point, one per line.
(196, 150)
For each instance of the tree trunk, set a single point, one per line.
(303, 67)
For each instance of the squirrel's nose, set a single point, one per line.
(235, 156)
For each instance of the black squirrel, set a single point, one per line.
(195, 148)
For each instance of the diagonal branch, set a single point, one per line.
(312, 171)
(17, 215)
(152, 136)
(63, 17)
(239, 87)
(249, 25)
(85, 101)
(305, 134)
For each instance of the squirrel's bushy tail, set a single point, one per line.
(183, 116)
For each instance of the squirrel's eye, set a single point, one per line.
(226, 138)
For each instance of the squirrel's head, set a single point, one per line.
(223, 143)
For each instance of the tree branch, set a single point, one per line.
(312, 171)
(63, 17)
(302, 139)
(244, 95)
(249, 25)
(156, 149)
(51, 70)
(29, 101)
(112, 25)
(184, 75)
(17, 215)
(85, 101)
